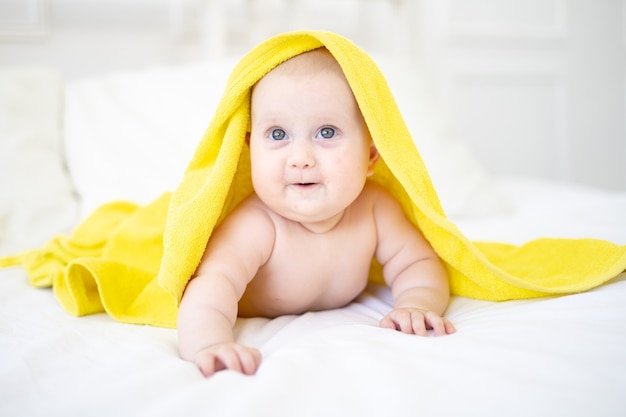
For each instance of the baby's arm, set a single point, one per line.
(413, 270)
(209, 306)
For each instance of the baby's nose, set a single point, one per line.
(301, 155)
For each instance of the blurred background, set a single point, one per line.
(534, 87)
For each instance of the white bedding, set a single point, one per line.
(546, 357)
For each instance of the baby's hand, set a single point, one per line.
(231, 356)
(417, 321)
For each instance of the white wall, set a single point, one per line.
(536, 87)
(539, 83)
(82, 37)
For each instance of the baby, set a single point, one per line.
(305, 239)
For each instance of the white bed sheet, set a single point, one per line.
(554, 356)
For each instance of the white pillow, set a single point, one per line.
(130, 135)
(36, 196)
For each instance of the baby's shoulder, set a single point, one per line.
(250, 212)
(380, 199)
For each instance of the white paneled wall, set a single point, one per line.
(82, 37)
(538, 83)
(535, 87)
(240, 24)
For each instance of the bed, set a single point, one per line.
(542, 357)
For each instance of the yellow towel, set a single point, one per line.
(134, 262)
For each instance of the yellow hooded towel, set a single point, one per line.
(134, 262)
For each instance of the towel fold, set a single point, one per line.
(134, 262)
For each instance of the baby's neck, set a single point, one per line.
(323, 226)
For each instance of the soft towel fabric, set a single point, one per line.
(134, 262)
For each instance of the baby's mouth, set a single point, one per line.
(305, 185)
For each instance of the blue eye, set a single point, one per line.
(278, 134)
(326, 133)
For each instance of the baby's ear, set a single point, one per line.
(374, 157)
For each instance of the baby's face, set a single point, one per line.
(309, 147)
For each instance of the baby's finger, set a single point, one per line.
(436, 323)
(404, 321)
(249, 358)
(387, 323)
(449, 326)
(206, 362)
(230, 359)
(418, 324)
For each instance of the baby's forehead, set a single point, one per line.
(311, 62)
(307, 64)
(319, 65)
